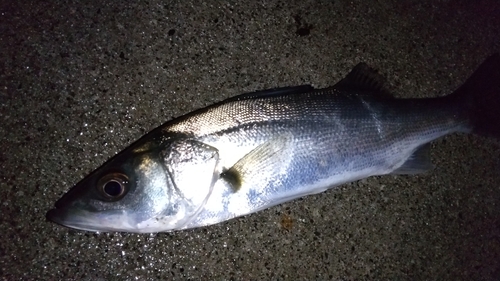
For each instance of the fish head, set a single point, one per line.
(151, 187)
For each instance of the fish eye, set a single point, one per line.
(113, 186)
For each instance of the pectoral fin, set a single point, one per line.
(259, 165)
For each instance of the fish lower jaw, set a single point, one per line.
(91, 221)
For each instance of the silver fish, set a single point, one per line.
(257, 150)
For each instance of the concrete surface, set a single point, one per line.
(80, 81)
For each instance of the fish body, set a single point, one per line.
(257, 150)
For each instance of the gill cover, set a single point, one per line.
(192, 169)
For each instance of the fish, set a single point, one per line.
(257, 150)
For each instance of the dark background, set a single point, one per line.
(80, 80)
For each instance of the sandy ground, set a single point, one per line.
(79, 82)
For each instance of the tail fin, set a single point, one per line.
(481, 94)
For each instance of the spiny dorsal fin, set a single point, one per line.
(273, 92)
(363, 78)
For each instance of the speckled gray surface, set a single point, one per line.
(79, 82)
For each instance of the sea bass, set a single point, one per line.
(257, 150)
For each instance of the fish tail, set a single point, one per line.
(479, 97)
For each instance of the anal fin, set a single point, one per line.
(418, 162)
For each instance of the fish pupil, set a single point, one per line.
(113, 188)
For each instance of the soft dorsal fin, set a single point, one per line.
(273, 92)
(363, 78)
